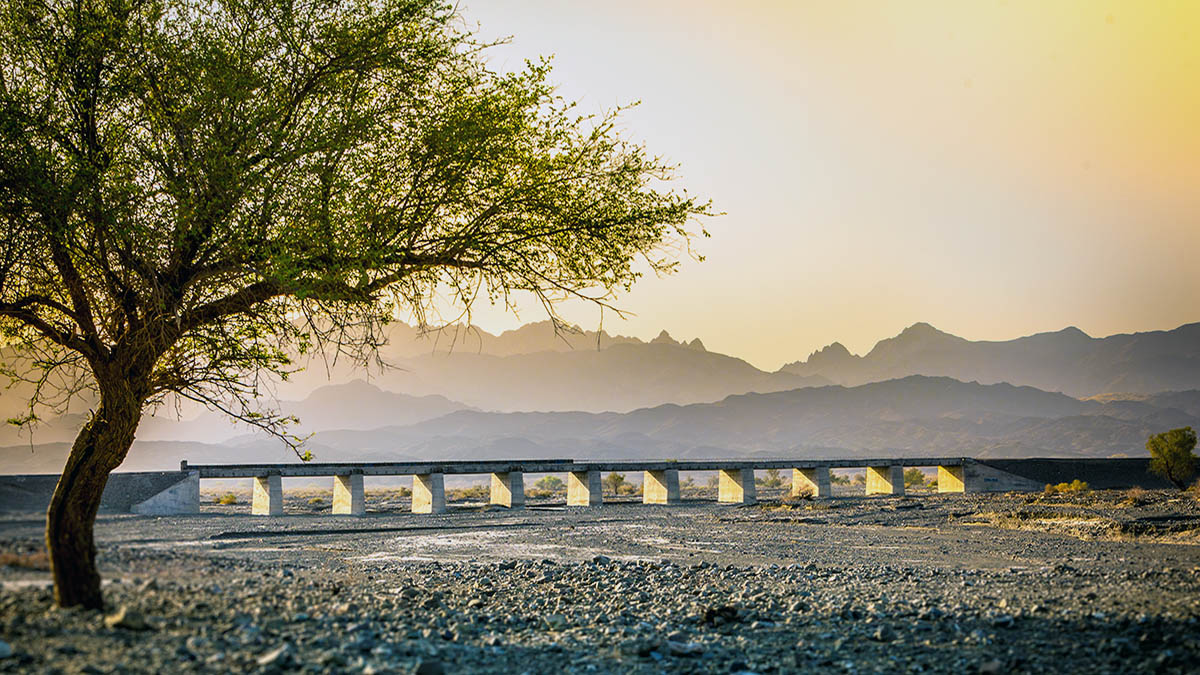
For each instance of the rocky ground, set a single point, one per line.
(1096, 583)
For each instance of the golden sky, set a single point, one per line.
(993, 168)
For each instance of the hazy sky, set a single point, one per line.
(993, 168)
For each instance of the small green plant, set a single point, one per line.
(227, 499)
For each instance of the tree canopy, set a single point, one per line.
(1172, 455)
(194, 191)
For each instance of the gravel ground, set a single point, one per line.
(1100, 583)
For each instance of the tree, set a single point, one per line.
(613, 482)
(193, 192)
(913, 477)
(1172, 455)
(550, 484)
(772, 480)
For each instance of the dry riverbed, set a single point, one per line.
(1097, 583)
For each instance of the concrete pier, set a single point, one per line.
(508, 489)
(885, 480)
(660, 487)
(951, 479)
(816, 479)
(268, 496)
(348, 496)
(583, 488)
(429, 493)
(736, 486)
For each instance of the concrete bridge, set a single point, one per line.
(178, 492)
(660, 479)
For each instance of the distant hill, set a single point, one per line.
(1067, 361)
(354, 405)
(912, 416)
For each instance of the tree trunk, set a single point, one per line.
(100, 447)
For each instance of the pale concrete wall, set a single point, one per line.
(349, 498)
(817, 480)
(660, 487)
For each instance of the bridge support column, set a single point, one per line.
(816, 479)
(268, 496)
(951, 479)
(885, 480)
(583, 488)
(348, 496)
(660, 487)
(736, 486)
(508, 489)
(429, 493)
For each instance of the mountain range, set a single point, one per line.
(1067, 361)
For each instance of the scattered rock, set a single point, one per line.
(126, 618)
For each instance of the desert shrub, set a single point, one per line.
(550, 484)
(227, 499)
(687, 482)
(913, 477)
(629, 489)
(316, 501)
(860, 479)
(1134, 496)
(471, 493)
(1074, 487)
(715, 481)
(804, 494)
(772, 479)
(539, 493)
(838, 479)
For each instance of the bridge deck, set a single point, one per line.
(304, 469)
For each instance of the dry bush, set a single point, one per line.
(473, 493)
(32, 560)
(226, 499)
(805, 494)
(629, 489)
(316, 501)
(1134, 496)
(539, 493)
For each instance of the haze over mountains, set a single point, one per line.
(470, 395)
